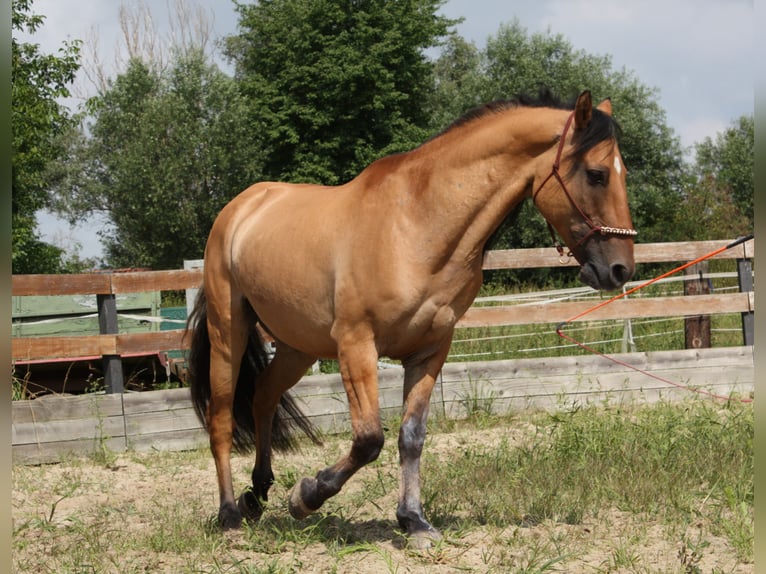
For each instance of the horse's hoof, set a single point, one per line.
(249, 506)
(229, 517)
(422, 540)
(295, 505)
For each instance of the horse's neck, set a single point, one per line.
(478, 174)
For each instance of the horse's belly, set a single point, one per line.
(309, 333)
(427, 327)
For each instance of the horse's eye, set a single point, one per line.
(596, 177)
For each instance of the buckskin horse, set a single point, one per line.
(385, 265)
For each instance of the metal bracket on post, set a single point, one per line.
(107, 325)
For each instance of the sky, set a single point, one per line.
(698, 54)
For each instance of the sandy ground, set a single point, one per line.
(133, 513)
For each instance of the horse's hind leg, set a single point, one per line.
(228, 331)
(358, 363)
(285, 370)
(419, 377)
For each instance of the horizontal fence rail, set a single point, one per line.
(31, 349)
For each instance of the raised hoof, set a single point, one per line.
(295, 504)
(249, 506)
(422, 540)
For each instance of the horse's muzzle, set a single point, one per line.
(606, 277)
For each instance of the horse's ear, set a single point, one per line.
(583, 111)
(606, 106)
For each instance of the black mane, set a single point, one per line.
(602, 128)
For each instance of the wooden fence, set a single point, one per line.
(45, 428)
(49, 428)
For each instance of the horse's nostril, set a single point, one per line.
(621, 273)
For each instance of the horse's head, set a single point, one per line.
(580, 190)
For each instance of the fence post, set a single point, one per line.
(697, 329)
(745, 275)
(107, 325)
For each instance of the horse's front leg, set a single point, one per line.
(358, 362)
(419, 377)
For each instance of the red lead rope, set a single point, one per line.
(561, 326)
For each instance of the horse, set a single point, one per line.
(385, 265)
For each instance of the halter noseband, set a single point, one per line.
(603, 229)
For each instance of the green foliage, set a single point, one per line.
(575, 466)
(458, 81)
(166, 151)
(723, 181)
(37, 119)
(335, 84)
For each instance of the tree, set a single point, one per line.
(37, 120)
(730, 162)
(718, 197)
(162, 146)
(458, 82)
(335, 84)
(166, 150)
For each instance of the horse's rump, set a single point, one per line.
(288, 417)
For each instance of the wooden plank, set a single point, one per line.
(53, 452)
(67, 430)
(688, 251)
(85, 283)
(564, 398)
(583, 383)
(321, 395)
(58, 407)
(334, 423)
(317, 385)
(35, 348)
(555, 366)
(331, 383)
(621, 309)
(163, 400)
(643, 253)
(525, 259)
(171, 280)
(138, 424)
(145, 343)
(738, 362)
(167, 412)
(561, 388)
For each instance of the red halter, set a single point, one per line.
(604, 230)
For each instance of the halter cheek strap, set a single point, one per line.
(594, 228)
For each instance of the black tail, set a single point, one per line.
(288, 417)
